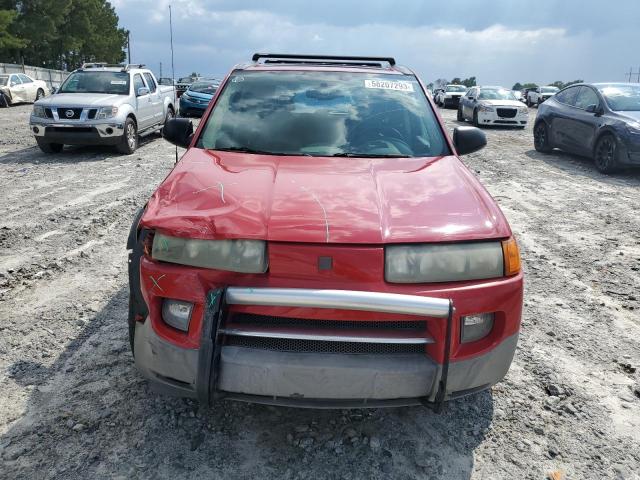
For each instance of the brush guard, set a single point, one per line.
(216, 306)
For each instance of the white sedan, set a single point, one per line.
(492, 106)
(19, 88)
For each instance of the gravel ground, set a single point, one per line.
(73, 406)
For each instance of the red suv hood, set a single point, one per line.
(319, 199)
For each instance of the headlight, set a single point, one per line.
(107, 112)
(38, 111)
(245, 256)
(443, 262)
(523, 110)
(486, 108)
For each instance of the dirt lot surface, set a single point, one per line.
(72, 404)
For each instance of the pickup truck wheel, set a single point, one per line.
(170, 114)
(529, 104)
(606, 154)
(39, 94)
(47, 147)
(129, 141)
(460, 118)
(541, 138)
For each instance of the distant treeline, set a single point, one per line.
(60, 34)
(557, 83)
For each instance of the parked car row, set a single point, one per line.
(492, 106)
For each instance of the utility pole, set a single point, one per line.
(129, 46)
(160, 70)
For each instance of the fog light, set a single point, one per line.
(177, 313)
(475, 327)
(109, 130)
(36, 129)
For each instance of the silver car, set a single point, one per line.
(103, 105)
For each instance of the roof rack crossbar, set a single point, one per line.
(319, 62)
(326, 58)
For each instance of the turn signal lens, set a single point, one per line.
(511, 255)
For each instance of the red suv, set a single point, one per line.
(321, 244)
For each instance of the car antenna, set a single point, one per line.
(173, 74)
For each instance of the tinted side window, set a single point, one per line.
(138, 82)
(15, 80)
(25, 79)
(567, 96)
(586, 97)
(150, 82)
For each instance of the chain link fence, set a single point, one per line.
(53, 78)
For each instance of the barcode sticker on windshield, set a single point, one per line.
(389, 85)
(118, 82)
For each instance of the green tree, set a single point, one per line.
(573, 82)
(517, 86)
(64, 33)
(469, 82)
(7, 39)
(456, 81)
(557, 83)
(530, 85)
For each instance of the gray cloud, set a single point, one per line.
(500, 42)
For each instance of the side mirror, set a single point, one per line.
(142, 91)
(595, 109)
(468, 139)
(54, 90)
(472, 98)
(178, 131)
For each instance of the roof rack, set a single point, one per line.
(124, 67)
(323, 59)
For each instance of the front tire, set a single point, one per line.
(541, 138)
(606, 154)
(47, 147)
(460, 117)
(476, 122)
(39, 94)
(129, 141)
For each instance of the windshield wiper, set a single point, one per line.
(369, 155)
(259, 152)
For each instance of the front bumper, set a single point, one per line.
(77, 134)
(452, 101)
(494, 118)
(192, 107)
(319, 380)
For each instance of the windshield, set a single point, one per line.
(113, 83)
(496, 94)
(185, 80)
(324, 114)
(204, 87)
(548, 89)
(456, 88)
(622, 98)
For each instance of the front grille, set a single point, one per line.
(48, 113)
(378, 337)
(269, 321)
(314, 346)
(92, 113)
(70, 129)
(62, 113)
(507, 112)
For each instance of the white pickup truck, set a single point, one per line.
(102, 105)
(538, 95)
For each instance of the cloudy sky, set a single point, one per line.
(499, 41)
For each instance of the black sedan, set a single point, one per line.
(599, 120)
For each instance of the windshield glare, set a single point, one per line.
(204, 87)
(549, 89)
(324, 114)
(622, 98)
(456, 88)
(496, 94)
(113, 83)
